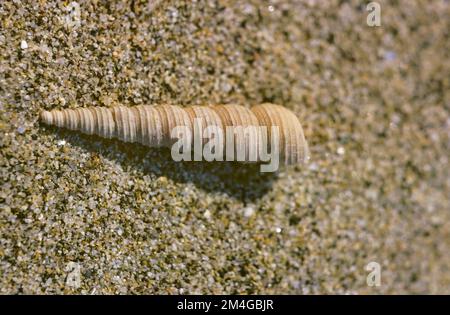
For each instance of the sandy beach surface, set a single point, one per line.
(80, 214)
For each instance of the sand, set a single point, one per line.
(80, 214)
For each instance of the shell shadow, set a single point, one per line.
(242, 181)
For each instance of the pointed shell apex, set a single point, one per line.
(46, 117)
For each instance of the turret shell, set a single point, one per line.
(152, 126)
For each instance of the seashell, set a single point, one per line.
(292, 143)
(152, 126)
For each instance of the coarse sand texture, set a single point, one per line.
(84, 214)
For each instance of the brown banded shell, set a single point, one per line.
(245, 140)
(152, 126)
(292, 143)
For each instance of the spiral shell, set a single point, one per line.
(152, 125)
